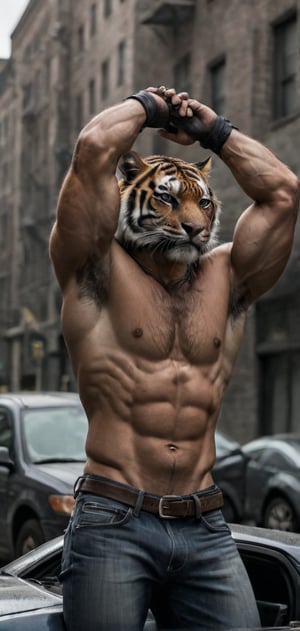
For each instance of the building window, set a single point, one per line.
(79, 112)
(217, 85)
(278, 350)
(281, 395)
(121, 63)
(92, 104)
(107, 8)
(80, 38)
(285, 68)
(182, 74)
(105, 80)
(3, 222)
(93, 19)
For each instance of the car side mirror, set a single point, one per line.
(5, 459)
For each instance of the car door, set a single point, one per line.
(261, 467)
(7, 442)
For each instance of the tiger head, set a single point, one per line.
(167, 206)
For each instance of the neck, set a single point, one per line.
(170, 274)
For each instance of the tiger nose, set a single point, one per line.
(192, 229)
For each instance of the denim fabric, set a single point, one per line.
(118, 563)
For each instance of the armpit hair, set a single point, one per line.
(239, 303)
(93, 280)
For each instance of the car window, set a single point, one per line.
(6, 429)
(281, 453)
(256, 454)
(276, 459)
(55, 434)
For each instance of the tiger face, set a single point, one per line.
(167, 206)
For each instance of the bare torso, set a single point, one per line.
(151, 362)
(151, 366)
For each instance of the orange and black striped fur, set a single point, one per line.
(168, 206)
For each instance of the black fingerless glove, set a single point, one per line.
(213, 138)
(156, 116)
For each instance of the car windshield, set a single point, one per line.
(55, 434)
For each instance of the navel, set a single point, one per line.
(137, 332)
(217, 342)
(172, 447)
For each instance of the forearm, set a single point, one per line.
(263, 177)
(107, 136)
(259, 173)
(88, 205)
(89, 200)
(263, 235)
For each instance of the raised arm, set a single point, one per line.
(88, 205)
(263, 235)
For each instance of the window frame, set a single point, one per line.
(121, 69)
(282, 77)
(182, 68)
(217, 66)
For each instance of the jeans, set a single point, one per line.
(119, 562)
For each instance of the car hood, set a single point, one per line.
(18, 596)
(66, 472)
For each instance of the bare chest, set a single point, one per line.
(188, 323)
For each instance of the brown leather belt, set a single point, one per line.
(166, 506)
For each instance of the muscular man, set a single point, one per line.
(153, 317)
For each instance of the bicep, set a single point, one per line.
(86, 221)
(262, 243)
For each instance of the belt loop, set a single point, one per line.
(76, 489)
(139, 503)
(198, 510)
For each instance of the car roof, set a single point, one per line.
(286, 438)
(39, 399)
(288, 444)
(280, 540)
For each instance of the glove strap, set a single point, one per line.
(154, 116)
(214, 139)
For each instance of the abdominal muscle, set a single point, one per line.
(151, 424)
(151, 378)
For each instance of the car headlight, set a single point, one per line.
(62, 503)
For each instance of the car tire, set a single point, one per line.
(29, 537)
(279, 514)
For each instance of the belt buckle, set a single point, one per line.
(161, 508)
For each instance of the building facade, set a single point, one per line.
(72, 58)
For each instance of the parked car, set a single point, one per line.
(31, 599)
(273, 481)
(42, 438)
(229, 472)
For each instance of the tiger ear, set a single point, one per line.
(130, 165)
(205, 165)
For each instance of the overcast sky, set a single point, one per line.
(10, 13)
